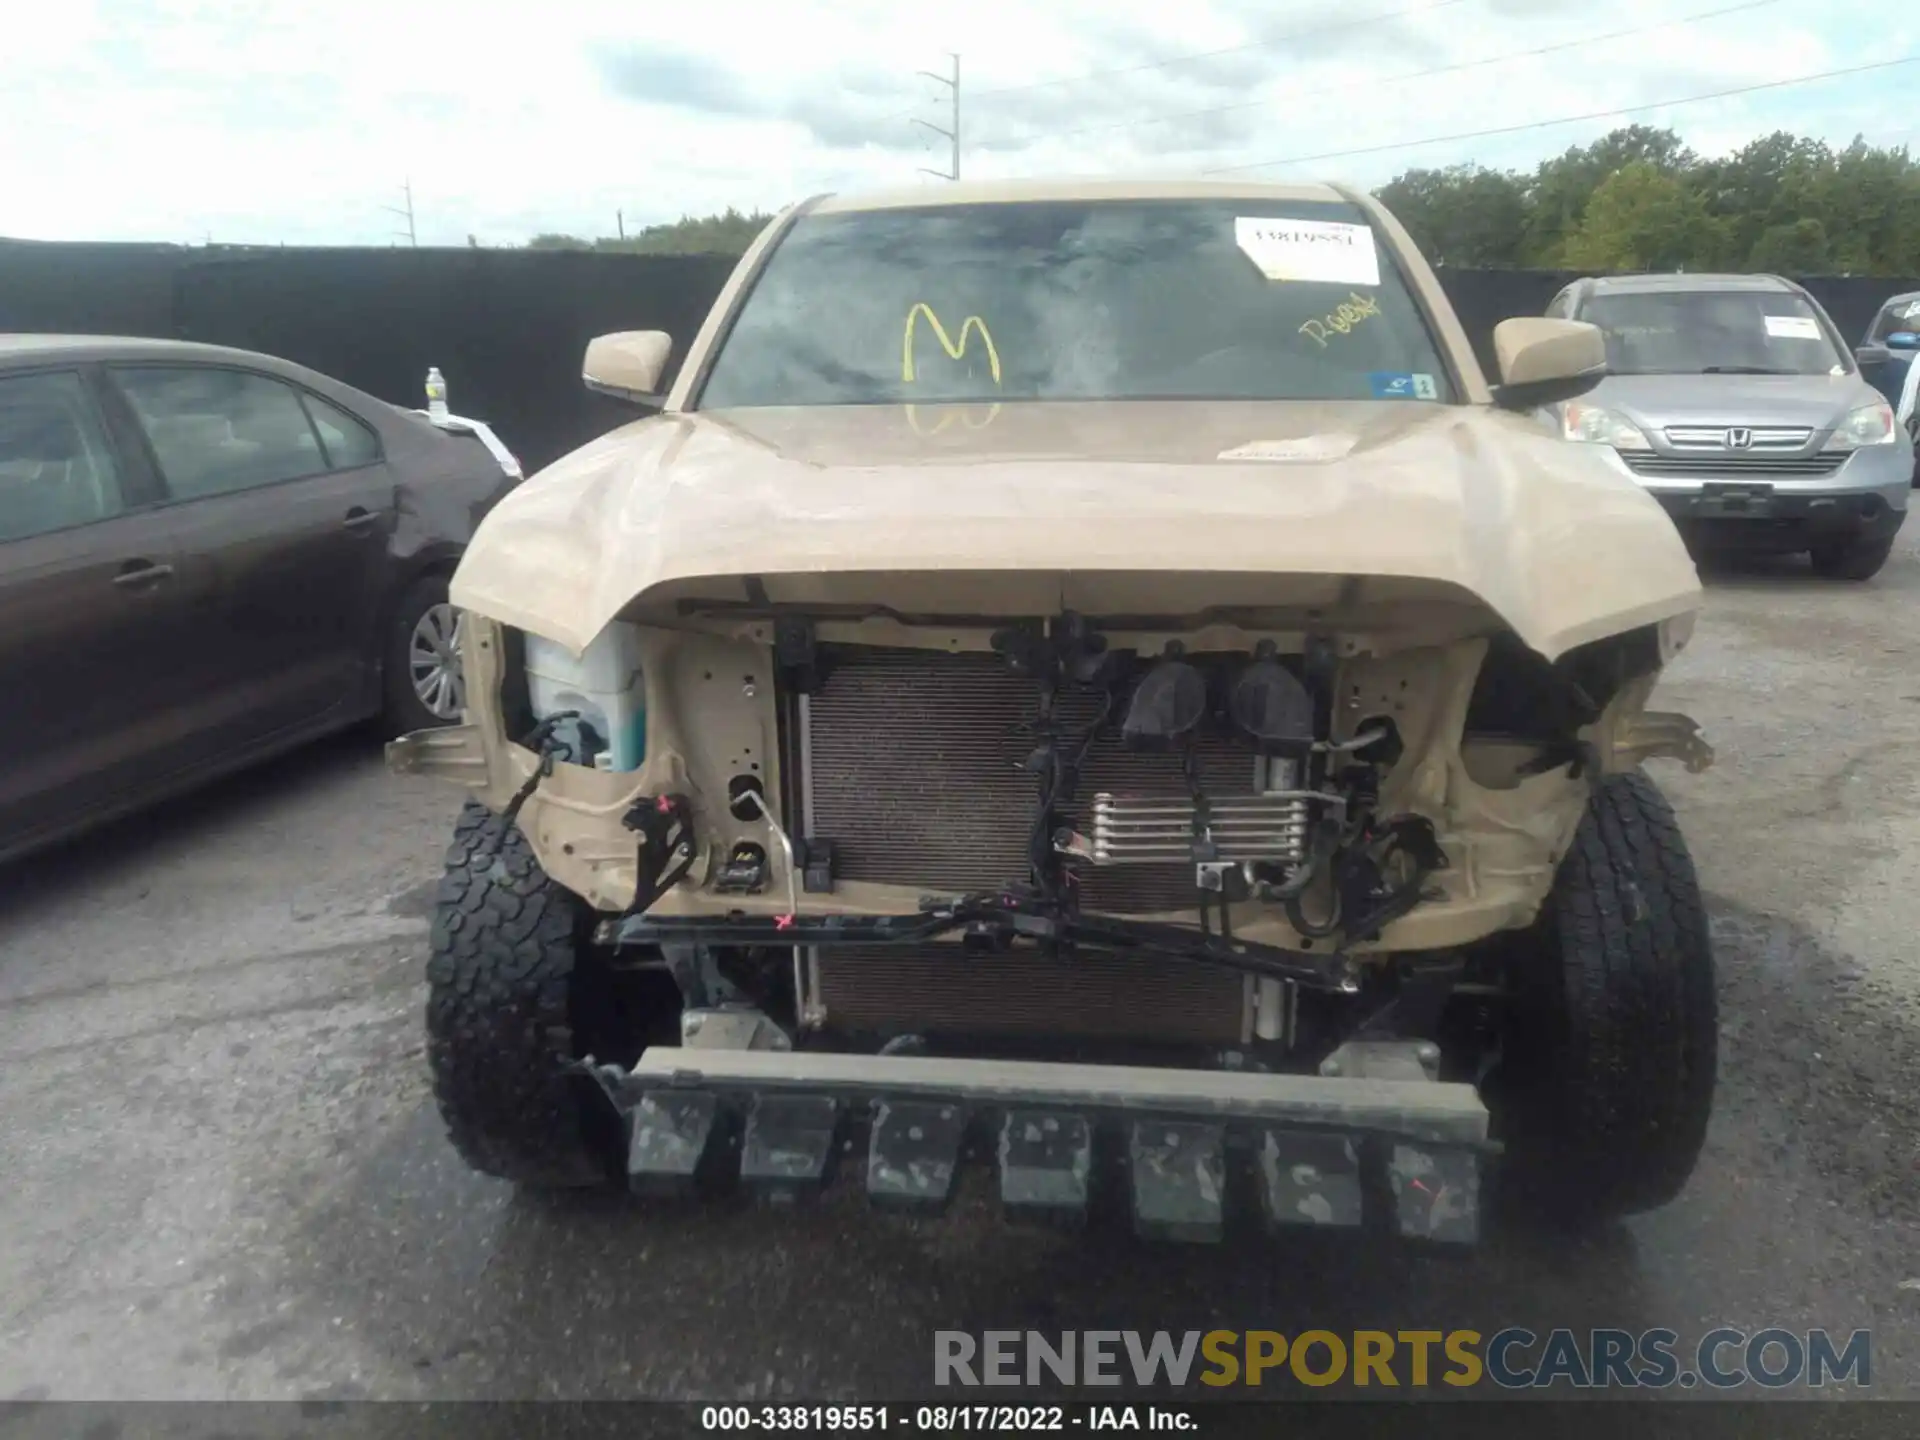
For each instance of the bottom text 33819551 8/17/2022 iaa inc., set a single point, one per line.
(948, 1418)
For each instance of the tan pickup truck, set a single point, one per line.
(1086, 684)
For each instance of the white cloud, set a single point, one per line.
(299, 120)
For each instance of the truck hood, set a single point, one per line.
(1100, 507)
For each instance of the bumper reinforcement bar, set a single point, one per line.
(1189, 1146)
(992, 923)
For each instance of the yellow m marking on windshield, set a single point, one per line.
(956, 349)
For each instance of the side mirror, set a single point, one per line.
(1903, 340)
(1869, 356)
(1543, 362)
(628, 365)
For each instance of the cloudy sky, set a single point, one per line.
(300, 120)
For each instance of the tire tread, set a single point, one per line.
(1629, 1012)
(500, 976)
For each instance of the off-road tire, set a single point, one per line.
(1852, 559)
(1612, 1053)
(505, 976)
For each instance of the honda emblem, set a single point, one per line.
(1739, 438)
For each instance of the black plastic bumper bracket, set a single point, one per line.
(1178, 1175)
(788, 1146)
(1046, 1164)
(913, 1154)
(1436, 1193)
(670, 1140)
(1309, 1177)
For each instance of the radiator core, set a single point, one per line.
(912, 768)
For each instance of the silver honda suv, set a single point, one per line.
(1734, 401)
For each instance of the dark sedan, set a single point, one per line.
(208, 556)
(1890, 345)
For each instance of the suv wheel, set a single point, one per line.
(1851, 559)
(1608, 1076)
(510, 983)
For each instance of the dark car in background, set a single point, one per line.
(1889, 346)
(208, 556)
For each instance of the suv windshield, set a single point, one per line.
(1079, 301)
(1709, 332)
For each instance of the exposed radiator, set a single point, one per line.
(913, 771)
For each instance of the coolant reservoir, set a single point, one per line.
(606, 685)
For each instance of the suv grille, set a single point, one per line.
(1714, 437)
(1732, 462)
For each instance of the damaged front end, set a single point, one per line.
(1217, 904)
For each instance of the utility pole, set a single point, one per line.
(952, 83)
(407, 213)
(620, 222)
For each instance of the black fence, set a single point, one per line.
(507, 327)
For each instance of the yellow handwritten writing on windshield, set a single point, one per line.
(1354, 310)
(956, 349)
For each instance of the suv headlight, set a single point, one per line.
(1869, 425)
(1600, 426)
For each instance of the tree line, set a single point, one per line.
(1635, 199)
(1640, 199)
(725, 234)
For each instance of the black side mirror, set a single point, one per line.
(1541, 394)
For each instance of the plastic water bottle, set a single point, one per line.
(436, 393)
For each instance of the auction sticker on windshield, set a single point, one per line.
(1793, 327)
(1327, 251)
(1397, 385)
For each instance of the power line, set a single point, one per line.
(1394, 79)
(1565, 119)
(953, 135)
(1267, 44)
(1339, 27)
(405, 214)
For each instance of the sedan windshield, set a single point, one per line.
(1900, 313)
(1079, 301)
(1714, 332)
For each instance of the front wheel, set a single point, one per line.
(1611, 1050)
(509, 997)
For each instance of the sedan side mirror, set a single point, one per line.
(1871, 355)
(1903, 340)
(1543, 362)
(628, 365)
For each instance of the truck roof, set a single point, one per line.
(1004, 192)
